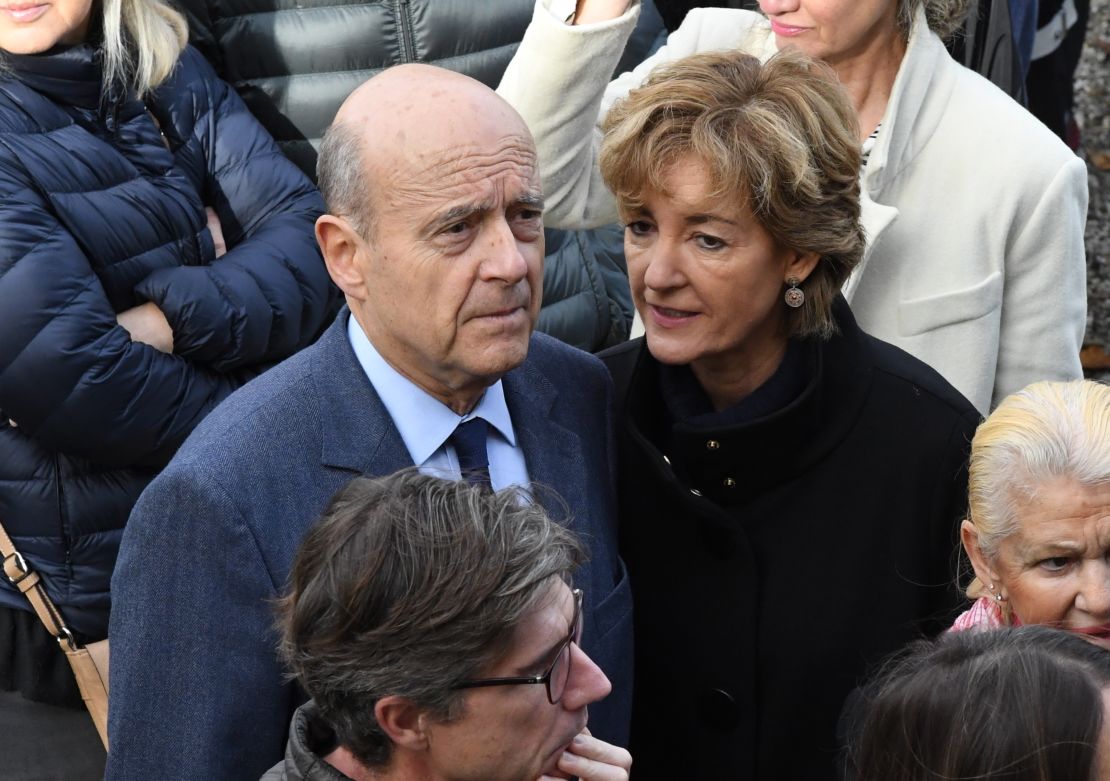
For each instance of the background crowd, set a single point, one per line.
(835, 248)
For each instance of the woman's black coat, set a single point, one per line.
(806, 546)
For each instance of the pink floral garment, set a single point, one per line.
(985, 613)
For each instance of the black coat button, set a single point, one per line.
(719, 709)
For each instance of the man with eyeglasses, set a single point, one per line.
(433, 624)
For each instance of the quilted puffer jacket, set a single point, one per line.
(294, 63)
(98, 215)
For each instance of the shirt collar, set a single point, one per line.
(423, 421)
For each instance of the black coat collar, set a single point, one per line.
(72, 78)
(747, 458)
(68, 75)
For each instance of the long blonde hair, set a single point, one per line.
(142, 42)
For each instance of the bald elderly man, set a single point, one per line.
(434, 234)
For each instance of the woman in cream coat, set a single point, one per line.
(974, 211)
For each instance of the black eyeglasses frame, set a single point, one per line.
(575, 636)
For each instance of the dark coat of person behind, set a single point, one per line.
(100, 216)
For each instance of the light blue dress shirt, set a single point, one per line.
(425, 423)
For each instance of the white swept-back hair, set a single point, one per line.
(1048, 430)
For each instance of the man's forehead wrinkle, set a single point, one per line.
(439, 181)
(464, 158)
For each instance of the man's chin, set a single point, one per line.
(500, 356)
(552, 767)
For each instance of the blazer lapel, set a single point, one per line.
(357, 433)
(875, 218)
(551, 450)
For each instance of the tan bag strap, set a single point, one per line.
(20, 574)
(89, 663)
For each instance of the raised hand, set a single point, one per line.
(593, 760)
(590, 11)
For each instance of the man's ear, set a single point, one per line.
(969, 536)
(404, 722)
(340, 245)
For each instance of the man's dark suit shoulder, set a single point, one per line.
(275, 405)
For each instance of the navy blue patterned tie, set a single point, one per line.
(469, 440)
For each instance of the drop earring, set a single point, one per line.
(794, 295)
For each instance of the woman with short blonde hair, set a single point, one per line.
(750, 126)
(972, 209)
(770, 450)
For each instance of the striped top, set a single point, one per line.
(868, 145)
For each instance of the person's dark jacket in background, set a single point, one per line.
(586, 298)
(294, 64)
(1023, 19)
(97, 215)
(772, 559)
(986, 44)
(310, 740)
(1061, 27)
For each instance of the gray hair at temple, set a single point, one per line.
(407, 586)
(341, 177)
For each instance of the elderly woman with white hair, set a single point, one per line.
(1038, 527)
(156, 252)
(973, 210)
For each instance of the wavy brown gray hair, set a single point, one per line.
(944, 16)
(407, 586)
(779, 137)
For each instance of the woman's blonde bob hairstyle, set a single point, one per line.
(143, 40)
(1046, 431)
(777, 138)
